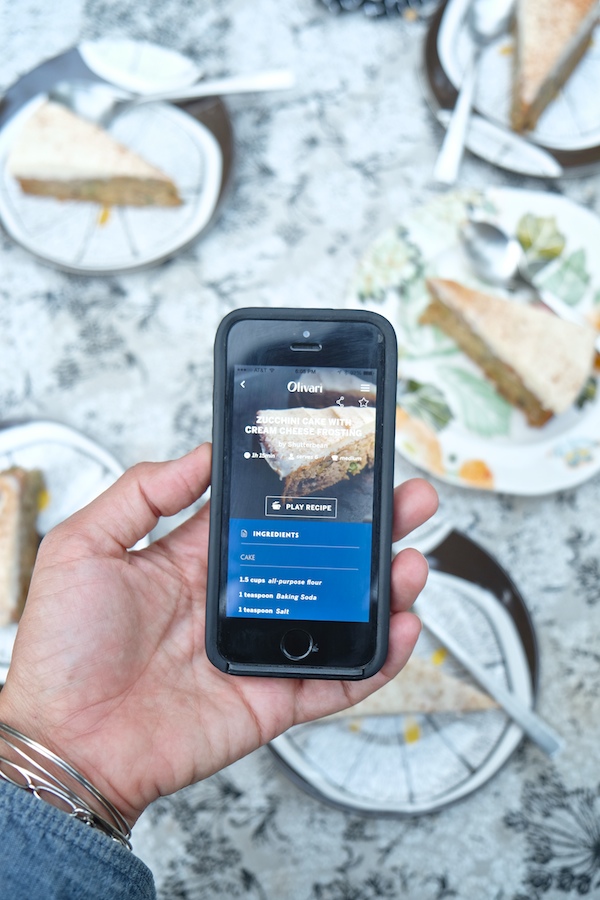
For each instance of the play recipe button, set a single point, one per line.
(302, 507)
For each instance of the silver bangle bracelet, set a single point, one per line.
(30, 775)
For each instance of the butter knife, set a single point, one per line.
(505, 148)
(533, 726)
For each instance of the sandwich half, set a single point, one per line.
(550, 39)
(20, 493)
(421, 687)
(58, 154)
(538, 362)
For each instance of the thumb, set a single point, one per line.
(128, 510)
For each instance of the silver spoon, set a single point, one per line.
(100, 102)
(500, 259)
(487, 20)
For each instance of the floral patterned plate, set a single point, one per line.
(451, 422)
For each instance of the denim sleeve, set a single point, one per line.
(45, 853)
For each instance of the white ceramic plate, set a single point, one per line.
(417, 763)
(86, 238)
(570, 122)
(486, 443)
(76, 470)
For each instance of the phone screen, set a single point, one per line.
(302, 493)
(302, 453)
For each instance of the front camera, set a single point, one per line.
(306, 334)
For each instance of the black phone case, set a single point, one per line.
(288, 669)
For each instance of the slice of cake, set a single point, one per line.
(421, 687)
(20, 492)
(57, 154)
(538, 362)
(550, 39)
(313, 449)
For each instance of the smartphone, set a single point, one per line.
(302, 493)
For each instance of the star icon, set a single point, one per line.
(363, 402)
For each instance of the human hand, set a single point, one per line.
(109, 669)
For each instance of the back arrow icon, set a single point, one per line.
(243, 383)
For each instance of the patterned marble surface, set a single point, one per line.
(127, 360)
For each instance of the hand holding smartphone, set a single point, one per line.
(301, 497)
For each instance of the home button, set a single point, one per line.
(296, 644)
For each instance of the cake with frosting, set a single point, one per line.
(58, 154)
(313, 449)
(20, 493)
(538, 362)
(550, 40)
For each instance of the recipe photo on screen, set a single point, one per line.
(301, 503)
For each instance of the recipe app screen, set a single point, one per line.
(301, 504)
